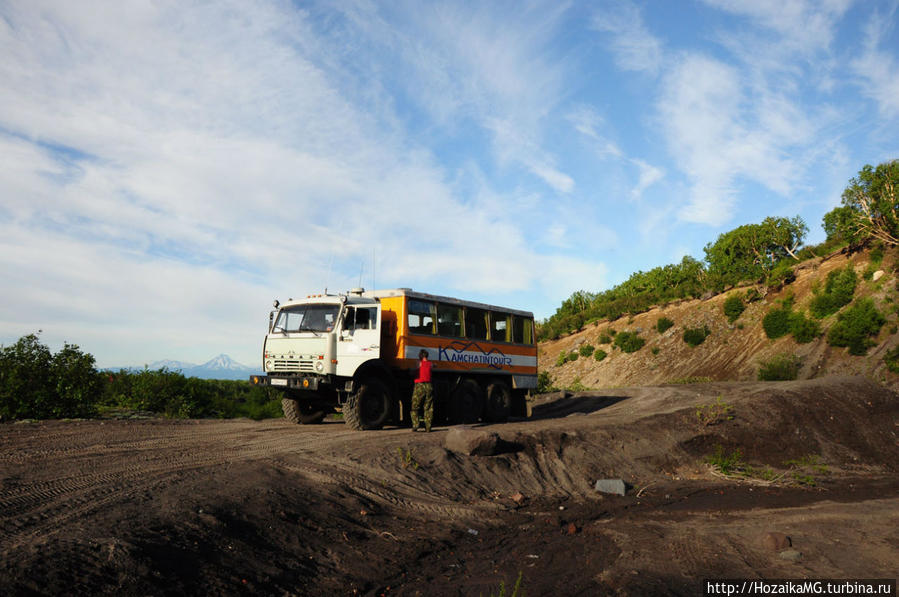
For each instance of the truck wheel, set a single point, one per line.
(499, 402)
(301, 412)
(467, 402)
(369, 407)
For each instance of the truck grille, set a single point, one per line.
(288, 364)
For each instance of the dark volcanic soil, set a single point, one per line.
(230, 507)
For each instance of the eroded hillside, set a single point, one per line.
(732, 351)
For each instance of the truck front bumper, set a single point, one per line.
(294, 382)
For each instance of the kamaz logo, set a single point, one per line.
(460, 352)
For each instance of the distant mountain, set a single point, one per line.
(219, 367)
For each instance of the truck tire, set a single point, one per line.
(369, 407)
(301, 412)
(499, 402)
(467, 402)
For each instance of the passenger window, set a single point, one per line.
(475, 323)
(499, 327)
(449, 320)
(521, 330)
(421, 317)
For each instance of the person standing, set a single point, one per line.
(423, 395)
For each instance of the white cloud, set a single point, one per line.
(168, 170)
(805, 26)
(649, 175)
(634, 47)
(720, 131)
(877, 68)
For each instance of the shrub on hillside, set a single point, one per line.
(855, 326)
(544, 383)
(586, 350)
(696, 336)
(891, 359)
(604, 338)
(733, 307)
(562, 359)
(752, 295)
(663, 324)
(804, 329)
(572, 356)
(777, 321)
(600, 354)
(837, 292)
(629, 341)
(782, 367)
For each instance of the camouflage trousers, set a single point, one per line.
(422, 396)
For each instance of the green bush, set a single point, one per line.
(876, 255)
(696, 336)
(782, 367)
(855, 326)
(777, 322)
(35, 384)
(562, 359)
(891, 358)
(629, 341)
(544, 383)
(733, 307)
(837, 292)
(781, 275)
(604, 338)
(600, 354)
(804, 329)
(586, 350)
(572, 356)
(663, 324)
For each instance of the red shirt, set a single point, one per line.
(424, 372)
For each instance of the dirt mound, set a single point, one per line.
(161, 507)
(732, 351)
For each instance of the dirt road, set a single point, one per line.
(162, 507)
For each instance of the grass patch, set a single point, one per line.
(726, 464)
(407, 460)
(781, 367)
(689, 380)
(517, 590)
(714, 413)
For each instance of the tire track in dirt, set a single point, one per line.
(384, 490)
(46, 506)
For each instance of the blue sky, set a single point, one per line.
(169, 168)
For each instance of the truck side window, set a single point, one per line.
(421, 317)
(499, 327)
(475, 323)
(366, 318)
(449, 320)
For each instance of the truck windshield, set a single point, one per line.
(307, 318)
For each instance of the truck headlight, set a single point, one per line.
(319, 366)
(268, 365)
